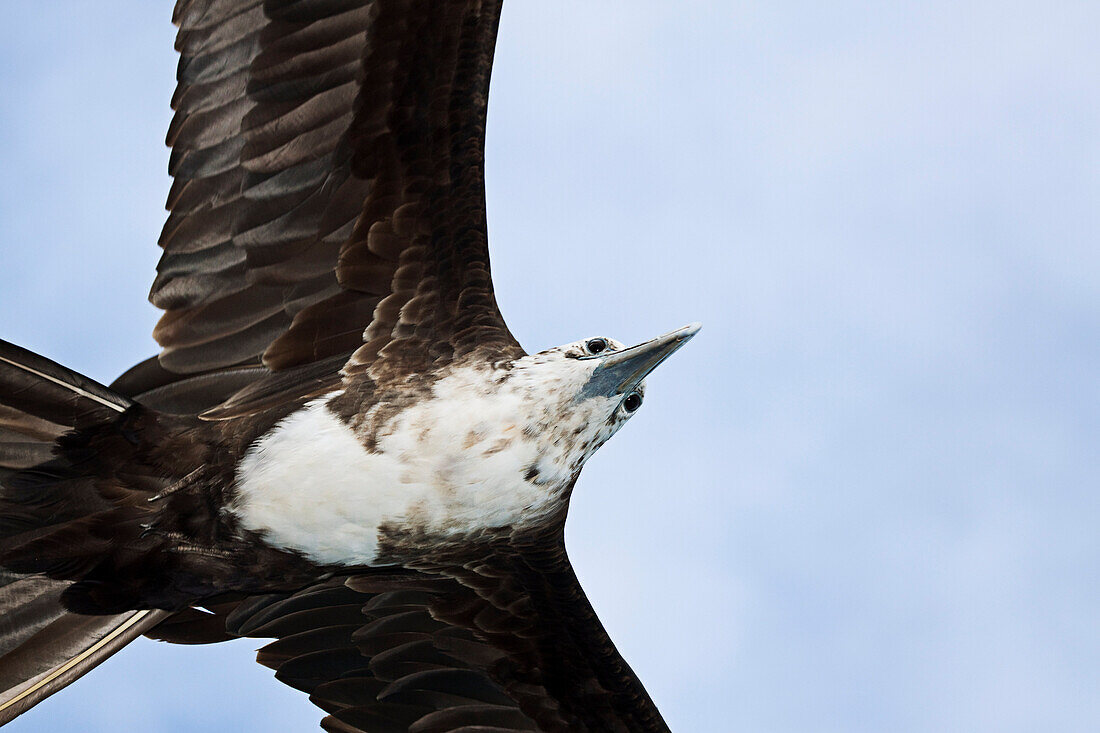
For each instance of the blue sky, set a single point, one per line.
(864, 498)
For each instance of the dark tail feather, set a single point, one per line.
(45, 492)
(44, 647)
(40, 397)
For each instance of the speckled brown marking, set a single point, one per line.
(497, 447)
(471, 440)
(368, 408)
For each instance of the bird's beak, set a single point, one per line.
(620, 372)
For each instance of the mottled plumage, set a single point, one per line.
(340, 446)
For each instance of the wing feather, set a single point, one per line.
(508, 642)
(327, 195)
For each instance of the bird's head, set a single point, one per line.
(575, 397)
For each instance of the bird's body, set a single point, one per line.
(341, 444)
(483, 450)
(474, 455)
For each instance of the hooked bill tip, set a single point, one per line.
(689, 330)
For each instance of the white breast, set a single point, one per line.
(445, 467)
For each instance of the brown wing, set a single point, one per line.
(328, 186)
(508, 643)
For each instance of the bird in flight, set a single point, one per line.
(340, 445)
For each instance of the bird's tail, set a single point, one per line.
(44, 508)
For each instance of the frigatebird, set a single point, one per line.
(340, 445)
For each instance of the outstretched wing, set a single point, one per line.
(328, 188)
(508, 643)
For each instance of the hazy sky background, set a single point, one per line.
(865, 498)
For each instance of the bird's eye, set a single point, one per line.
(595, 346)
(632, 402)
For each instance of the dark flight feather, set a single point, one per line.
(328, 165)
(508, 641)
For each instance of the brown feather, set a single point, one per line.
(507, 642)
(328, 193)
